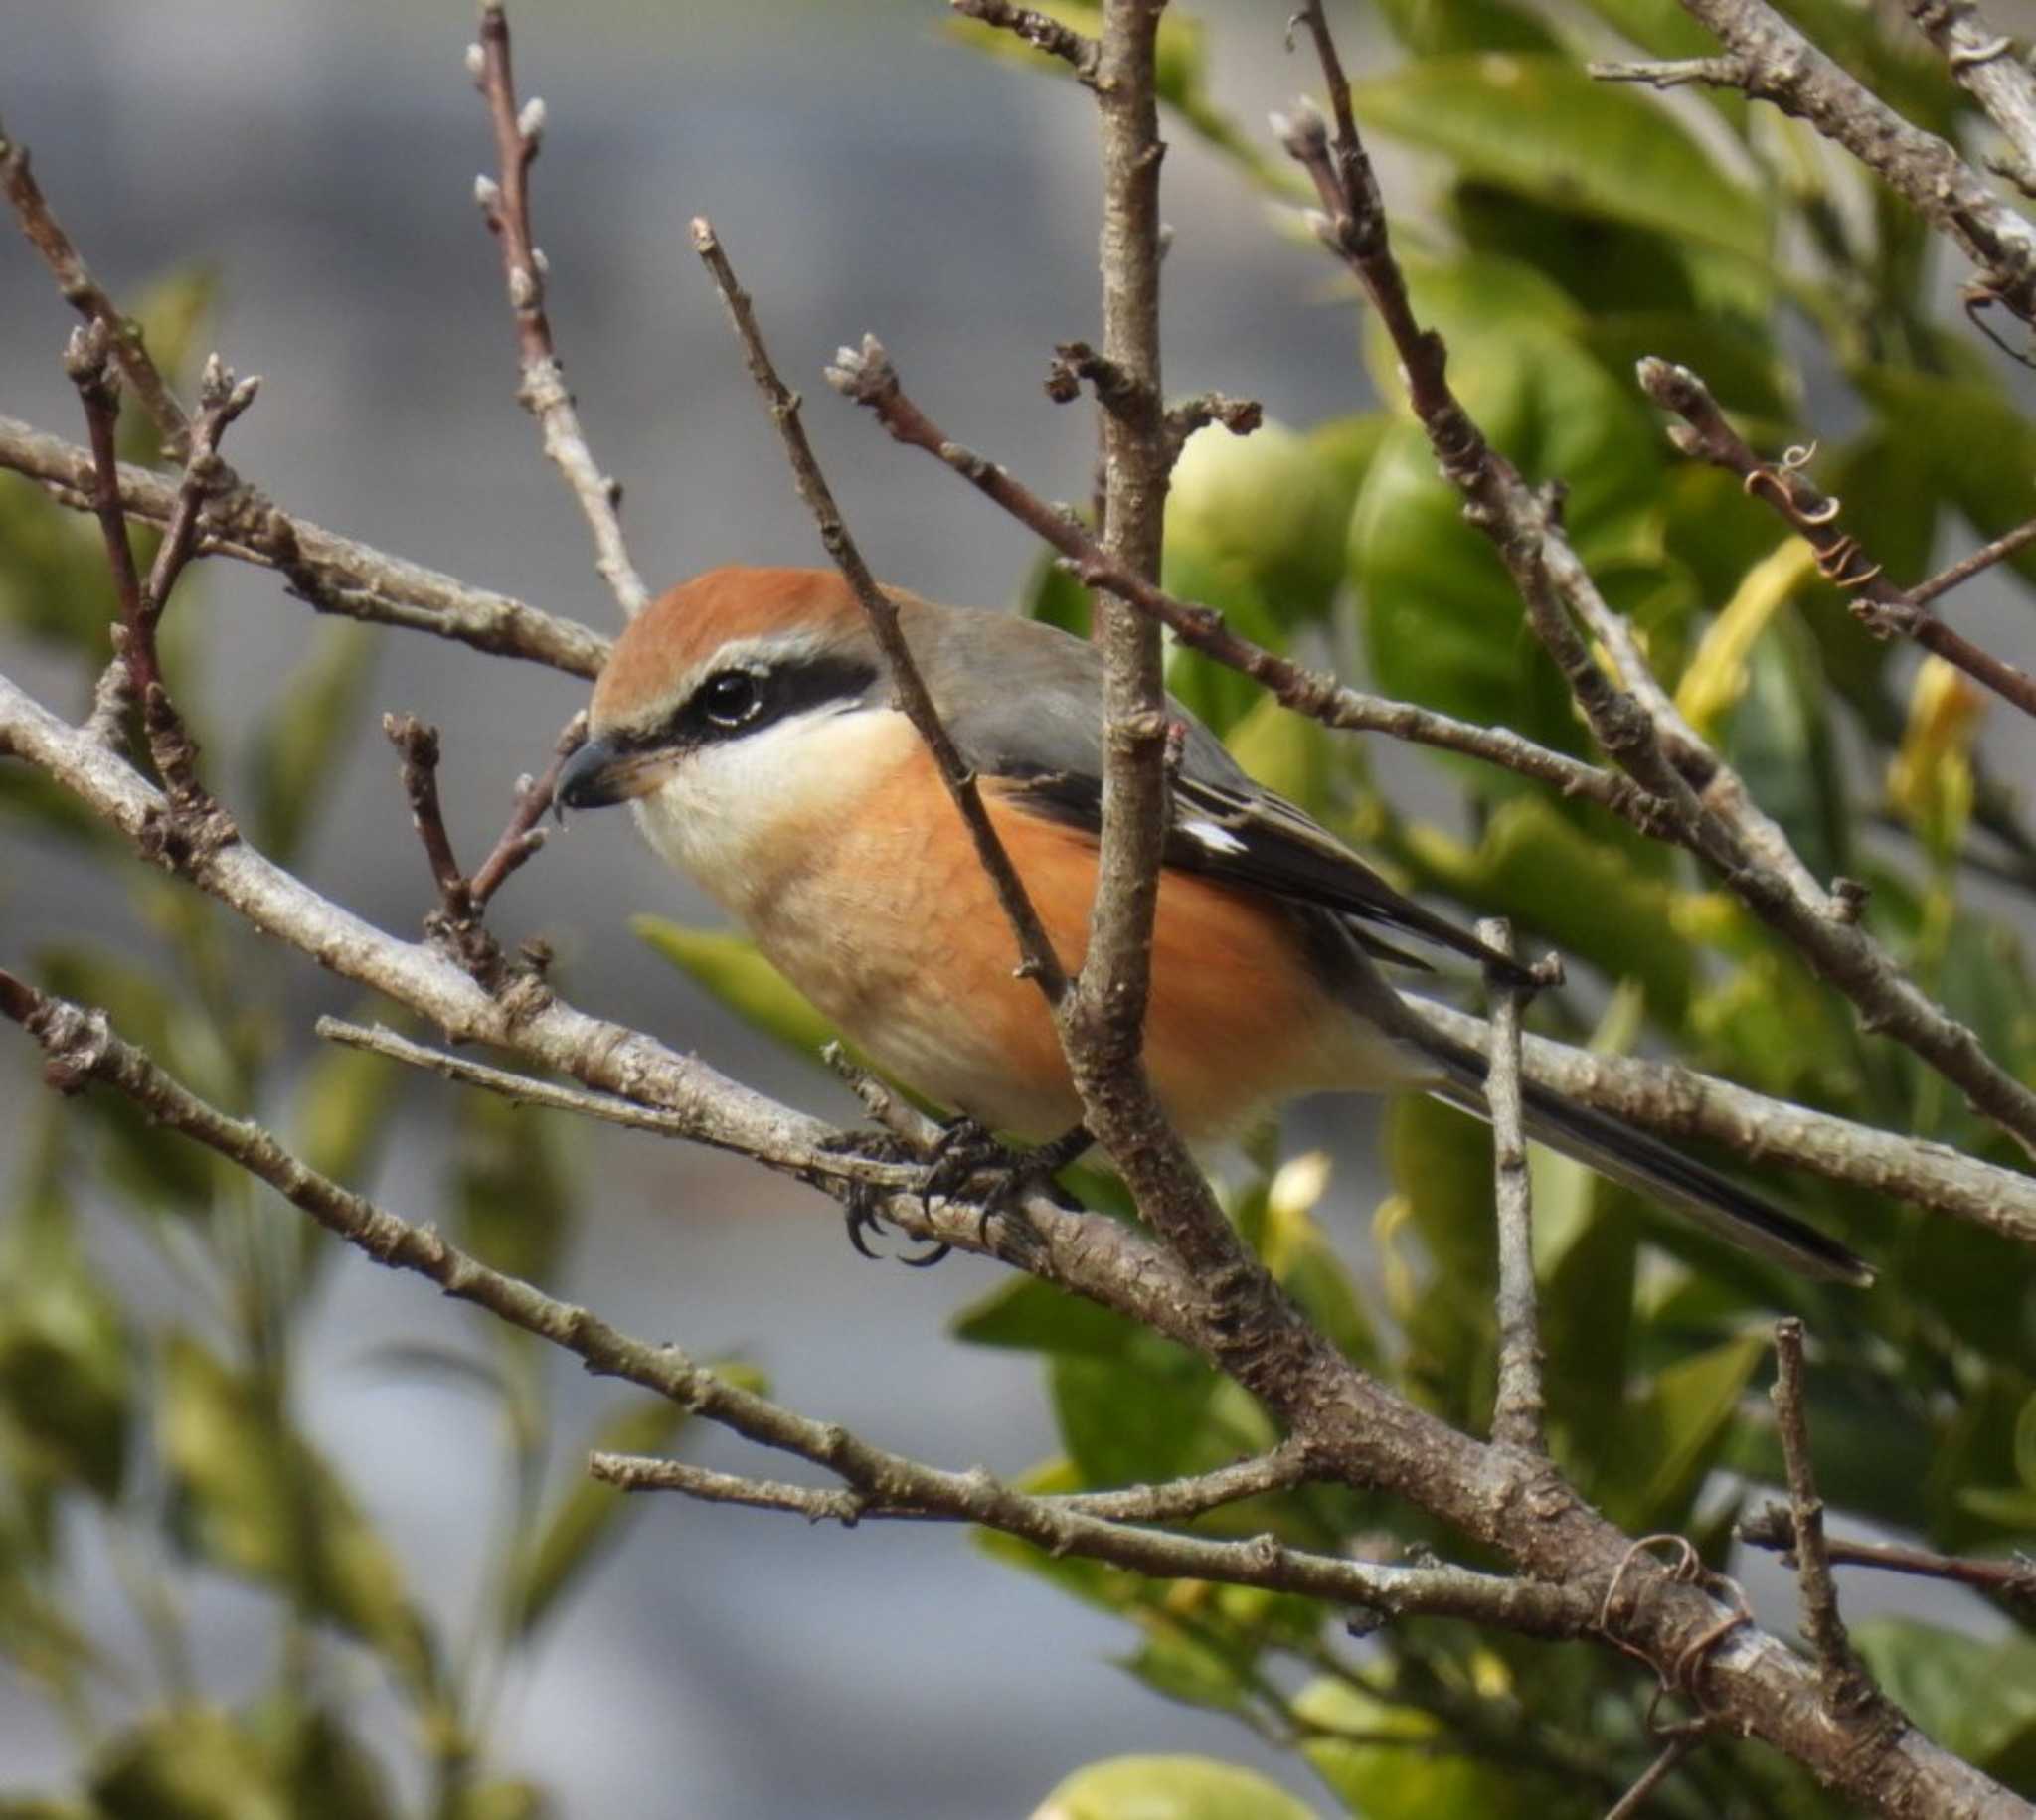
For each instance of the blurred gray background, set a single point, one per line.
(866, 174)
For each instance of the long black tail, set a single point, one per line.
(1639, 1161)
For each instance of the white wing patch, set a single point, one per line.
(1207, 834)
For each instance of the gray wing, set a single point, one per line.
(1025, 716)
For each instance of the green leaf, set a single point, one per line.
(1186, 1666)
(1540, 126)
(1169, 1788)
(64, 1382)
(729, 967)
(53, 572)
(1442, 28)
(296, 753)
(1582, 894)
(1440, 1162)
(1028, 1315)
(1668, 1440)
(189, 1763)
(1978, 448)
(327, 1773)
(1382, 1779)
(1587, 1323)
(1441, 622)
(1215, 693)
(1780, 742)
(498, 1801)
(254, 1498)
(1974, 1700)
(1137, 1418)
(1291, 753)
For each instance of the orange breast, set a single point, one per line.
(888, 924)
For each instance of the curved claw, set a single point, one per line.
(861, 1214)
(929, 1257)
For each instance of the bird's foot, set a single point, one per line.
(862, 1206)
(964, 1160)
(967, 1157)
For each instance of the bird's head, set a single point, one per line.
(727, 713)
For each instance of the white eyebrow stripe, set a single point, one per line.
(1208, 834)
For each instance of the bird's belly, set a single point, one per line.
(902, 943)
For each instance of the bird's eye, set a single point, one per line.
(731, 697)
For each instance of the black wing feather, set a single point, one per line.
(1252, 837)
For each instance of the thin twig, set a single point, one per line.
(1041, 31)
(333, 573)
(140, 606)
(1674, 71)
(522, 838)
(1035, 947)
(1955, 575)
(1633, 1802)
(417, 744)
(98, 391)
(1879, 605)
(505, 205)
(2014, 1579)
(553, 1096)
(1517, 1409)
(1175, 1501)
(1849, 1691)
(84, 294)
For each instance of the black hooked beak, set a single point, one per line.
(602, 772)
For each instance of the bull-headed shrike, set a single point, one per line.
(747, 715)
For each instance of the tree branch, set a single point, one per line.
(333, 573)
(1041, 31)
(1848, 1691)
(2013, 1579)
(1877, 604)
(505, 205)
(1677, 1102)
(1985, 64)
